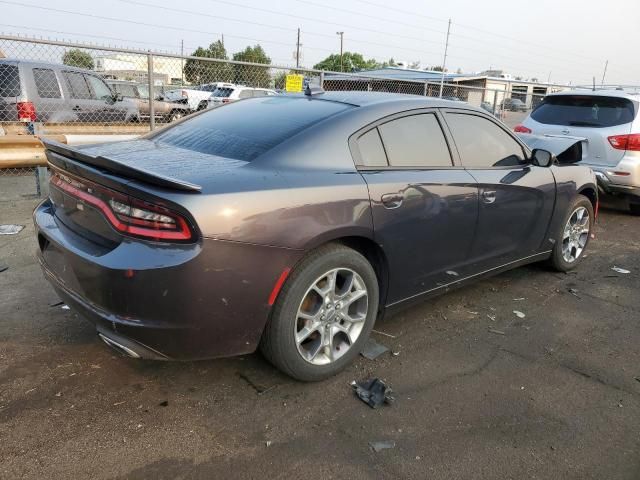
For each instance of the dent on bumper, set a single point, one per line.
(210, 300)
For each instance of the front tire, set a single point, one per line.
(323, 314)
(574, 235)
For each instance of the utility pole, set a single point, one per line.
(341, 43)
(444, 61)
(606, 64)
(298, 50)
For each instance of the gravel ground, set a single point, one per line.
(480, 392)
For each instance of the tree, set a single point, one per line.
(250, 74)
(437, 68)
(351, 62)
(78, 58)
(202, 71)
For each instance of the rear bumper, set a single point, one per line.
(607, 186)
(180, 302)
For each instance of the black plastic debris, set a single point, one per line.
(3, 268)
(373, 392)
(164, 403)
(373, 349)
(383, 445)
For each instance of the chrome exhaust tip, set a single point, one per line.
(126, 351)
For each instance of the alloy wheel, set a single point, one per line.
(331, 316)
(575, 235)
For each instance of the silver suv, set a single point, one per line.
(607, 122)
(48, 92)
(228, 94)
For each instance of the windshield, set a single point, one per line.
(222, 92)
(244, 130)
(584, 111)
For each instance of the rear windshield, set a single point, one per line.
(222, 92)
(245, 130)
(584, 111)
(9, 81)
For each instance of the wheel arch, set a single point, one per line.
(591, 193)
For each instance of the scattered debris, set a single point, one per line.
(519, 299)
(3, 268)
(383, 333)
(65, 307)
(10, 229)
(33, 390)
(472, 313)
(268, 443)
(574, 292)
(497, 332)
(372, 349)
(59, 394)
(452, 273)
(491, 317)
(373, 392)
(519, 314)
(383, 445)
(57, 304)
(395, 354)
(164, 403)
(620, 270)
(637, 379)
(119, 403)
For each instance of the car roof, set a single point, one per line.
(37, 63)
(362, 99)
(596, 93)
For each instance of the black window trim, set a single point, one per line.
(357, 158)
(525, 149)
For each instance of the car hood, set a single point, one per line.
(567, 149)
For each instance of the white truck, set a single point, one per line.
(195, 97)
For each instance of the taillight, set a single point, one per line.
(625, 142)
(521, 129)
(225, 100)
(128, 215)
(26, 112)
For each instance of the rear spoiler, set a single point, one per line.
(118, 168)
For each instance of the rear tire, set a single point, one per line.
(573, 236)
(175, 116)
(201, 106)
(311, 335)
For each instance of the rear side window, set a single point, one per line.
(245, 94)
(124, 89)
(9, 80)
(371, 149)
(222, 92)
(245, 130)
(46, 83)
(415, 141)
(584, 111)
(77, 85)
(482, 144)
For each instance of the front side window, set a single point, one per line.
(77, 85)
(46, 83)
(100, 89)
(483, 144)
(415, 141)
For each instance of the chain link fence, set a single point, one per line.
(61, 88)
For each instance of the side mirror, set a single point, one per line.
(117, 97)
(542, 158)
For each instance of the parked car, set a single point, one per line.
(487, 107)
(609, 126)
(223, 95)
(452, 99)
(48, 92)
(195, 97)
(293, 224)
(513, 105)
(163, 110)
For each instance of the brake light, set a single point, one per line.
(26, 112)
(128, 215)
(625, 142)
(225, 100)
(521, 129)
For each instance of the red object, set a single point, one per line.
(148, 229)
(278, 286)
(26, 112)
(225, 100)
(522, 129)
(129, 273)
(626, 142)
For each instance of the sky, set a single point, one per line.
(564, 41)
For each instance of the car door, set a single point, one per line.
(424, 207)
(516, 197)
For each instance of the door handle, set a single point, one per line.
(488, 196)
(392, 200)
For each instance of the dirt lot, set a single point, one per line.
(553, 395)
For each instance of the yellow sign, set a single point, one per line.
(294, 83)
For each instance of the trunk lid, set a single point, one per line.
(594, 118)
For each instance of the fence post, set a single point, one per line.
(426, 88)
(152, 115)
(321, 79)
(42, 181)
(495, 101)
